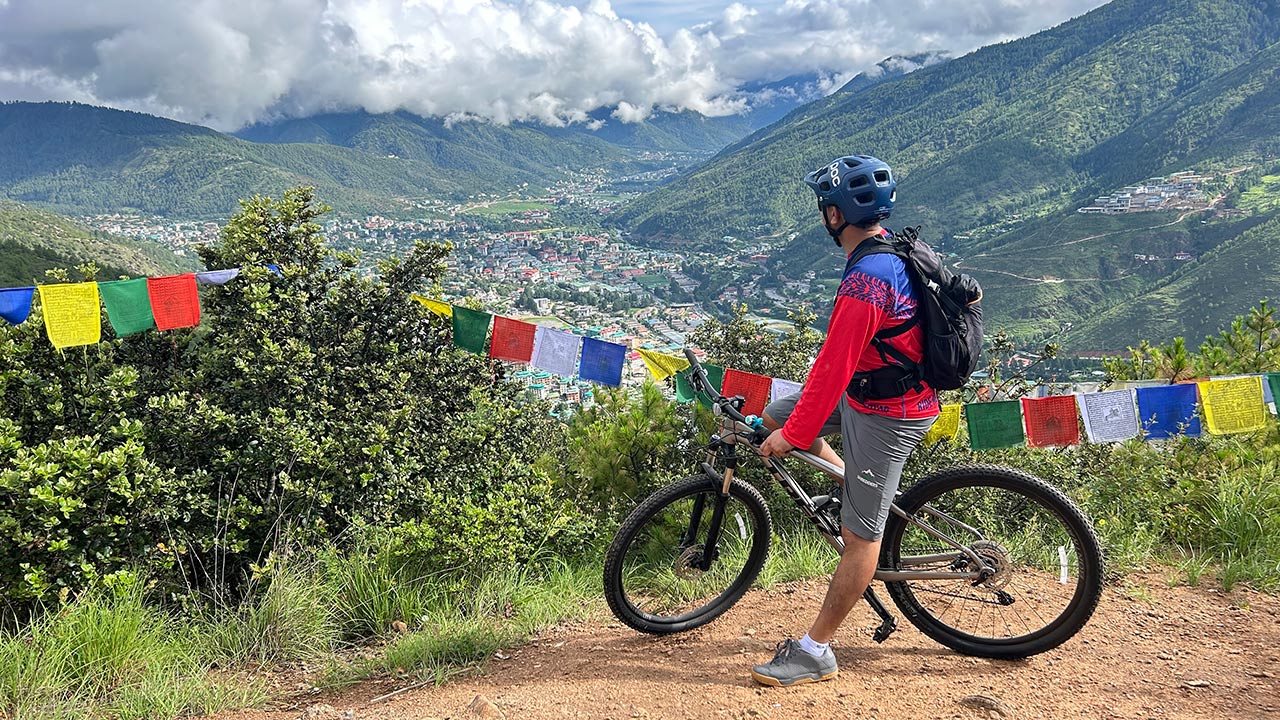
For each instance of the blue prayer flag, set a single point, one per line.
(15, 304)
(1168, 410)
(602, 362)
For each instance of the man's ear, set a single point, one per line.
(834, 217)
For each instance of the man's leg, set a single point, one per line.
(853, 575)
(876, 449)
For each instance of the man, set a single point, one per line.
(856, 389)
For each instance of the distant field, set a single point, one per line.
(508, 207)
(650, 282)
(1263, 196)
(547, 320)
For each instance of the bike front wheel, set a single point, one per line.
(1040, 561)
(661, 573)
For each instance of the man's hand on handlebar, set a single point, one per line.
(775, 445)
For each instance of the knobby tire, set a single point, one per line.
(615, 558)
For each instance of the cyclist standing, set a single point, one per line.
(880, 408)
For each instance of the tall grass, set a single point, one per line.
(110, 654)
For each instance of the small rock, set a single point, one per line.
(483, 707)
(1164, 656)
(400, 627)
(1197, 683)
(597, 648)
(320, 712)
(993, 705)
(501, 655)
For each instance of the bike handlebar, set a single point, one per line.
(702, 384)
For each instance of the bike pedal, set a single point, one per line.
(885, 630)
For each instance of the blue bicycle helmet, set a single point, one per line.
(860, 185)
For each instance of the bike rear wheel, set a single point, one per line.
(1044, 562)
(657, 575)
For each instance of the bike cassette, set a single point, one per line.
(998, 562)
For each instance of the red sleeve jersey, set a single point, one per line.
(875, 293)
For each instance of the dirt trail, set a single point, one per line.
(1150, 652)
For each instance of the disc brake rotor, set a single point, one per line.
(685, 568)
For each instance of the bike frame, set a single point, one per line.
(734, 428)
(830, 533)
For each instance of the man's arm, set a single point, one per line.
(853, 322)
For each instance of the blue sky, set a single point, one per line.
(228, 63)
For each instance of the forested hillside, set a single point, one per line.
(95, 159)
(34, 240)
(995, 151)
(476, 144)
(1007, 129)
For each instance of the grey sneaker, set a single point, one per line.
(793, 666)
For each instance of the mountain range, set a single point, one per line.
(994, 151)
(82, 158)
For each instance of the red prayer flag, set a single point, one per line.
(512, 340)
(755, 388)
(175, 302)
(1051, 421)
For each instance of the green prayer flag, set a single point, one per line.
(470, 329)
(995, 424)
(684, 387)
(1273, 383)
(128, 306)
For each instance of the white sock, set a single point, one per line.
(813, 647)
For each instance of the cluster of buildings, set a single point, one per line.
(179, 237)
(1179, 191)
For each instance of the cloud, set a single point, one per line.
(227, 63)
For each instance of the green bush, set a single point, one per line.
(78, 509)
(305, 404)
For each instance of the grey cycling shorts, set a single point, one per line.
(875, 450)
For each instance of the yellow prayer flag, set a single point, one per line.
(71, 315)
(945, 427)
(1234, 406)
(662, 366)
(440, 308)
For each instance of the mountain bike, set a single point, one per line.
(986, 560)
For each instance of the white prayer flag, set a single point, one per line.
(783, 388)
(1109, 416)
(556, 351)
(217, 277)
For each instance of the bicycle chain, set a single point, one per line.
(958, 595)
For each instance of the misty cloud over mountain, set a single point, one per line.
(228, 63)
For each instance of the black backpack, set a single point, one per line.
(948, 309)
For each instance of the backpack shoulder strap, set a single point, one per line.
(873, 246)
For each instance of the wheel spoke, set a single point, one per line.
(656, 583)
(1037, 580)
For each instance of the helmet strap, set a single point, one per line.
(835, 233)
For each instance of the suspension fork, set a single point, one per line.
(710, 549)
